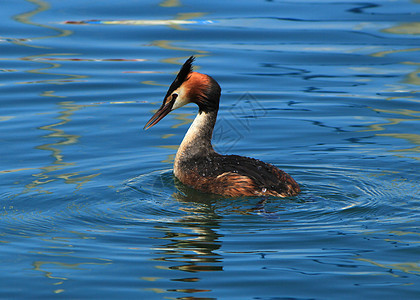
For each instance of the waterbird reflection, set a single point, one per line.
(191, 243)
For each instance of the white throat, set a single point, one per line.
(197, 140)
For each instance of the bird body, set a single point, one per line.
(197, 164)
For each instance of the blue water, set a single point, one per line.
(326, 90)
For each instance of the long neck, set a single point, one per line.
(197, 140)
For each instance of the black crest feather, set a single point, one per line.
(186, 69)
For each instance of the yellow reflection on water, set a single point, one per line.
(186, 16)
(49, 66)
(16, 170)
(412, 28)
(404, 28)
(413, 77)
(384, 53)
(166, 136)
(58, 266)
(25, 18)
(170, 159)
(156, 290)
(407, 267)
(67, 109)
(180, 19)
(403, 233)
(411, 137)
(170, 3)
(6, 118)
(151, 82)
(173, 147)
(166, 44)
(410, 116)
(180, 61)
(184, 118)
(150, 278)
(51, 94)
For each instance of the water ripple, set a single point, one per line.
(328, 195)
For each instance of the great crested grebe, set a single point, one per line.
(197, 164)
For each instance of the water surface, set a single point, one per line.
(328, 91)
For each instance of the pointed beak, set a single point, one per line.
(160, 114)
